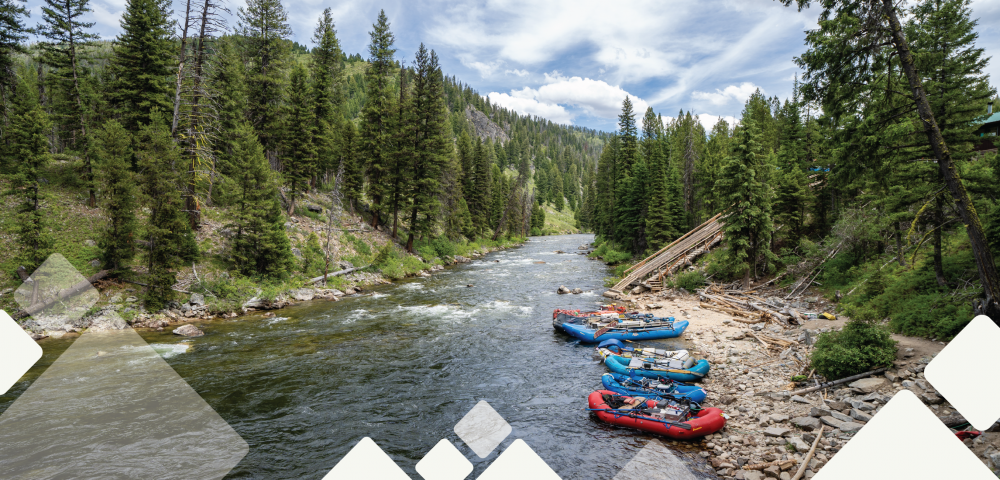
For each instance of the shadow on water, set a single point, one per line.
(405, 364)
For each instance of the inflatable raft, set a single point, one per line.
(660, 417)
(561, 316)
(626, 329)
(688, 371)
(652, 388)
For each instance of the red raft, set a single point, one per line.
(681, 425)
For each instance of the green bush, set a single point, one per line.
(690, 280)
(535, 232)
(861, 346)
(443, 247)
(359, 245)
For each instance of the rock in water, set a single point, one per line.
(188, 331)
(562, 290)
(577, 291)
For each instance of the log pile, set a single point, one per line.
(746, 304)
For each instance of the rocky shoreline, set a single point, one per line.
(771, 430)
(108, 315)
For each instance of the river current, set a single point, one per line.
(404, 363)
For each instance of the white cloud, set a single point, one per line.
(531, 106)
(738, 93)
(520, 73)
(484, 69)
(592, 97)
(708, 121)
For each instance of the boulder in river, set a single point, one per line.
(562, 290)
(188, 331)
(577, 291)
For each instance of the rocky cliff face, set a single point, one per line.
(485, 128)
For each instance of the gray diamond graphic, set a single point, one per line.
(56, 294)
(482, 429)
(110, 407)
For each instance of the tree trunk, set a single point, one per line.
(899, 244)
(180, 67)
(938, 221)
(980, 248)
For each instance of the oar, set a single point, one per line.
(634, 414)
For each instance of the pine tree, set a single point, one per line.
(433, 144)
(259, 246)
(112, 153)
(748, 225)
(142, 63)
(29, 144)
(629, 150)
(300, 161)
(403, 139)
(467, 154)
(65, 37)
(791, 202)
(351, 163)
(558, 198)
(13, 33)
(377, 117)
(482, 192)
(227, 78)
(167, 240)
(327, 91)
(263, 32)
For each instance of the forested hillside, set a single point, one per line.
(841, 184)
(196, 142)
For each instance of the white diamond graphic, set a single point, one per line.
(56, 294)
(366, 460)
(482, 429)
(905, 440)
(959, 369)
(655, 462)
(519, 461)
(444, 462)
(18, 352)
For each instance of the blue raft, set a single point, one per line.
(644, 331)
(652, 389)
(649, 369)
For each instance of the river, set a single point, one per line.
(404, 364)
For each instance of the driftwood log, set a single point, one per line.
(334, 274)
(838, 382)
(67, 293)
(805, 462)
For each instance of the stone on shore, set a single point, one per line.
(806, 423)
(868, 385)
(303, 294)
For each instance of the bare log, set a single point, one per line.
(838, 382)
(805, 462)
(334, 274)
(69, 292)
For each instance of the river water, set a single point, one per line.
(404, 364)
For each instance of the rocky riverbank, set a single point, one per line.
(752, 367)
(119, 308)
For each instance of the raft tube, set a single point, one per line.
(586, 334)
(620, 365)
(625, 385)
(704, 422)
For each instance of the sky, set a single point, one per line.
(574, 61)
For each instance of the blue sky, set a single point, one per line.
(573, 61)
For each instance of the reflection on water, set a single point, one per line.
(404, 365)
